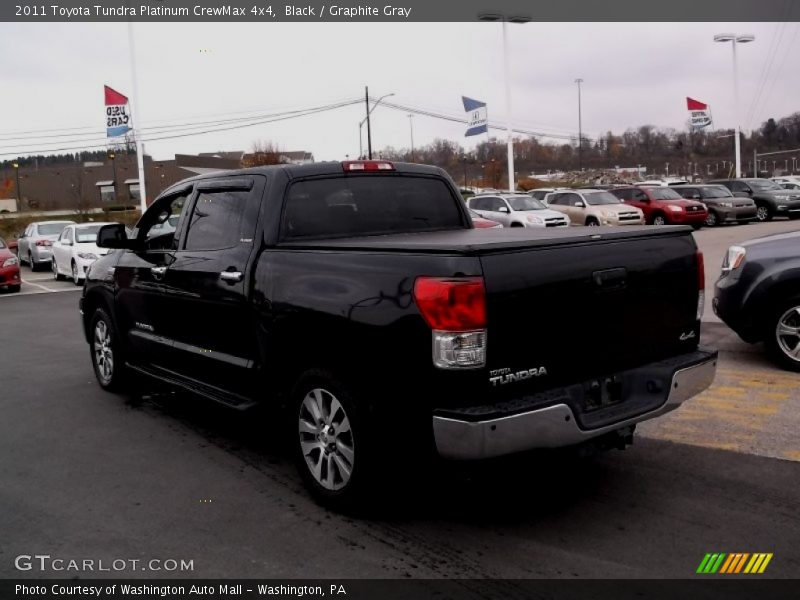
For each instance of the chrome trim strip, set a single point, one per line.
(554, 426)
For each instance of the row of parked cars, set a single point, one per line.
(66, 247)
(710, 204)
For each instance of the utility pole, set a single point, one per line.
(411, 124)
(137, 130)
(369, 131)
(579, 81)
(19, 195)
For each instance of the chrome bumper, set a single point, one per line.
(554, 426)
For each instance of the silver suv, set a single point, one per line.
(516, 210)
(594, 207)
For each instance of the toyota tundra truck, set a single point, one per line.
(359, 299)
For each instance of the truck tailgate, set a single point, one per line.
(589, 308)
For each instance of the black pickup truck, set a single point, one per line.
(359, 297)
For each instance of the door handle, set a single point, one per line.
(158, 271)
(231, 276)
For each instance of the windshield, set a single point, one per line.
(600, 198)
(525, 203)
(664, 194)
(52, 228)
(762, 184)
(86, 235)
(716, 192)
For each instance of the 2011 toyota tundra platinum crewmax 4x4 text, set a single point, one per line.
(359, 298)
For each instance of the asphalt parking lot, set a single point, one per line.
(86, 474)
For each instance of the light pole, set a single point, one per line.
(411, 125)
(736, 39)
(506, 72)
(19, 196)
(366, 120)
(579, 81)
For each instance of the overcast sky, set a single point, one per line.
(634, 74)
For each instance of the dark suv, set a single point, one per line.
(722, 205)
(770, 198)
(758, 295)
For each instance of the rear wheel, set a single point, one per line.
(659, 220)
(33, 265)
(783, 334)
(763, 213)
(332, 447)
(106, 356)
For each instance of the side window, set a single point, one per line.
(477, 203)
(218, 220)
(571, 199)
(738, 186)
(554, 199)
(639, 196)
(693, 194)
(71, 234)
(618, 193)
(158, 230)
(498, 204)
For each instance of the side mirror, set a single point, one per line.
(114, 236)
(503, 209)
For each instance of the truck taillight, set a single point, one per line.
(701, 285)
(455, 309)
(367, 165)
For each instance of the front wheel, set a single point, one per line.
(783, 334)
(331, 447)
(106, 356)
(763, 213)
(592, 222)
(711, 219)
(659, 220)
(76, 278)
(56, 275)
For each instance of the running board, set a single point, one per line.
(196, 387)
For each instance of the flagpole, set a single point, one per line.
(137, 138)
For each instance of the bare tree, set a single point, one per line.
(264, 153)
(78, 199)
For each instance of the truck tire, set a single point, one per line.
(782, 335)
(333, 447)
(763, 213)
(107, 359)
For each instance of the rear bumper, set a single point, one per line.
(556, 425)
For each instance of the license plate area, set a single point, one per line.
(602, 392)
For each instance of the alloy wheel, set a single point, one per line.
(787, 333)
(103, 354)
(659, 220)
(54, 268)
(326, 440)
(762, 213)
(711, 219)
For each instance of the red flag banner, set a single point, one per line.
(118, 119)
(113, 97)
(699, 113)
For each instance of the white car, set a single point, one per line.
(516, 210)
(786, 179)
(75, 250)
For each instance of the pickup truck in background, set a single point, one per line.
(359, 298)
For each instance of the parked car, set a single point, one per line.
(355, 294)
(594, 207)
(481, 223)
(788, 185)
(770, 198)
(758, 295)
(516, 210)
(786, 179)
(541, 193)
(663, 206)
(35, 245)
(75, 250)
(9, 269)
(722, 205)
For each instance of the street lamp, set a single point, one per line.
(411, 124)
(366, 120)
(506, 69)
(579, 81)
(734, 39)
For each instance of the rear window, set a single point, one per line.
(52, 228)
(366, 205)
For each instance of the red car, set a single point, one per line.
(663, 206)
(9, 269)
(481, 223)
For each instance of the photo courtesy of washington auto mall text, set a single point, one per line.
(400, 299)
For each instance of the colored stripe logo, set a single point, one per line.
(734, 563)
